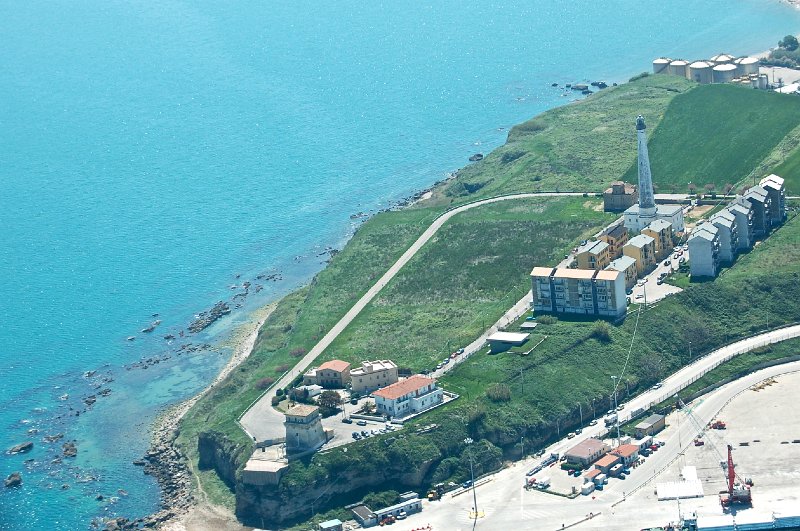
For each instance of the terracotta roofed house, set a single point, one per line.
(406, 397)
(331, 374)
(629, 453)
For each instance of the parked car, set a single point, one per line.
(362, 422)
(446, 361)
(401, 515)
(439, 366)
(570, 435)
(667, 262)
(453, 355)
(578, 430)
(467, 484)
(657, 386)
(364, 433)
(347, 420)
(460, 351)
(356, 435)
(593, 422)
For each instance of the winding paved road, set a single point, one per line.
(262, 421)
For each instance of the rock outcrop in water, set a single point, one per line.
(206, 319)
(21, 448)
(13, 480)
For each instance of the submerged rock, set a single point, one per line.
(69, 449)
(13, 480)
(21, 448)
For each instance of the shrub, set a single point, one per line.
(299, 352)
(547, 319)
(602, 331)
(498, 393)
(276, 399)
(281, 368)
(264, 383)
(279, 392)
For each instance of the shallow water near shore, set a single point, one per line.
(153, 151)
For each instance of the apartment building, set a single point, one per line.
(661, 232)
(725, 222)
(593, 255)
(762, 205)
(704, 250)
(742, 210)
(619, 196)
(331, 374)
(627, 266)
(641, 248)
(579, 291)
(774, 186)
(616, 237)
(373, 375)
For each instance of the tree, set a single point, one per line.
(329, 399)
(692, 188)
(369, 407)
(789, 43)
(727, 188)
(710, 187)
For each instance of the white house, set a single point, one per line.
(406, 397)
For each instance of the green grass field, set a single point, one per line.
(717, 134)
(560, 149)
(463, 280)
(790, 170)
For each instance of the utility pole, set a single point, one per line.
(580, 412)
(614, 379)
(469, 441)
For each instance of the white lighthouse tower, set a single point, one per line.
(639, 216)
(647, 203)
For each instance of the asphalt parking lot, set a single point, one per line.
(343, 432)
(648, 290)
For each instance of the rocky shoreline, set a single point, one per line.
(166, 462)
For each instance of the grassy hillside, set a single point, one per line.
(717, 134)
(573, 365)
(464, 279)
(578, 147)
(790, 170)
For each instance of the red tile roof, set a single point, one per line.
(592, 473)
(607, 460)
(335, 365)
(626, 450)
(404, 387)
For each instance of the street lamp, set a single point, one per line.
(614, 379)
(468, 441)
(580, 412)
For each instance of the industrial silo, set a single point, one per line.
(724, 73)
(661, 65)
(746, 66)
(763, 82)
(678, 67)
(700, 71)
(721, 59)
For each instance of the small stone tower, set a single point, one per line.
(304, 430)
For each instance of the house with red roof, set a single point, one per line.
(333, 374)
(415, 394)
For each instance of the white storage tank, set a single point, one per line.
(763, 83)
(661, 65)
(721, 59)
(724, 73)
(746, 66)
(700, 71)
(678, 67)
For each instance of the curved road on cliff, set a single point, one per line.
(262, 421)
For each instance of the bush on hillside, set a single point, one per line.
(498, 393)
(380, 500)
(547, 319)
(637, 77)
(602, 331)
(264, 383)
(298, 352)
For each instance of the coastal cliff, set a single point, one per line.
(224, 456)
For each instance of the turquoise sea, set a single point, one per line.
(151, 151)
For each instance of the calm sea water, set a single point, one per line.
(151, 151)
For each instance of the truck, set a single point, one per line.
(610, 419)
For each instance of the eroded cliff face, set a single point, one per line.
(219, 453)
(264, 505)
